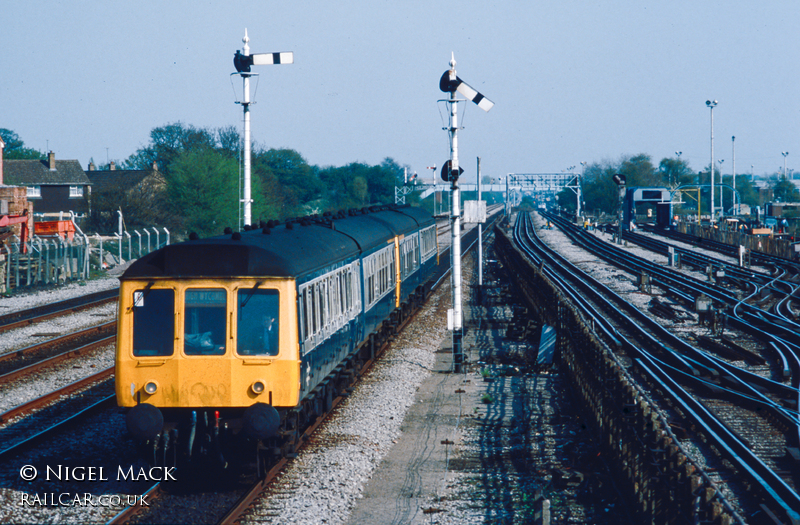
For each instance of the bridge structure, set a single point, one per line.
(513, 186)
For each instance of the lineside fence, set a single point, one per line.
(768, 245)
(56, 260)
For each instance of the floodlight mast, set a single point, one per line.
(242, 61)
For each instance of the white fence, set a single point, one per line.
(56, 260)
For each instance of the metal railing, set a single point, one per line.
(56, 260)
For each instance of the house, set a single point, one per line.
(138, 194)
(53, 186)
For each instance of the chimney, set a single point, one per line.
(112, 166)
(51, 159)
(2, 147)
(92, 167)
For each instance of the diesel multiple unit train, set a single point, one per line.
(247, 337)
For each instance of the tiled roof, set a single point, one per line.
(37, 172)
(116, 179)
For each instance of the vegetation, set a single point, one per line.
(15, 148)
(201, 187)
(600, 193)
(198, 188)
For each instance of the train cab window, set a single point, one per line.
(258, 322)
(153, 322)
(205, 326)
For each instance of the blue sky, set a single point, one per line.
(571, 80)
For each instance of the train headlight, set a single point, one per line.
(151, 387)
(258, 387)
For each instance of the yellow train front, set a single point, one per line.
(243, 339)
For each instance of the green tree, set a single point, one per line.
(15, 147)
(783, 190)
(600, 193)
(747, 190)
(675, 172)
(203, 191)
(167, 143)
(639, 171)
(346, 186)
(383, 180)
(288, 180)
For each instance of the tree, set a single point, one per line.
(202, 188)
(600, 192)
(382, 181)
(784, 190)
(229, 141)
(287, 175)
(142, 204)
(15, 147)
(639, 171)
(675, 172)
(167, 143)
(346, 186)
(748, 193)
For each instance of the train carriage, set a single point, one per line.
(242, 336)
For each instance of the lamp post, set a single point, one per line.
(785, 154)
(721, 206)
(733, 146)
(671, 182)
(620, 181)
(580, 182)
(711, 105)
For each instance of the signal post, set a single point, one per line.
(450, 83)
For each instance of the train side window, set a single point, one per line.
(323, 309)
(314, 309)
(342, 301)
(369, 283)
(153, 322)
(301, 317)
(205, 321)
(257, 322)
(355, 282)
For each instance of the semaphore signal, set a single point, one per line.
(242, 61)
(450, 83)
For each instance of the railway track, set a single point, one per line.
(17, 363)
(43, 426)
(782, 336)
(20, 437)
(57, 309)
(251, 495)
(782, 281)
(677, 368)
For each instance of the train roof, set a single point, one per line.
(292, 249)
